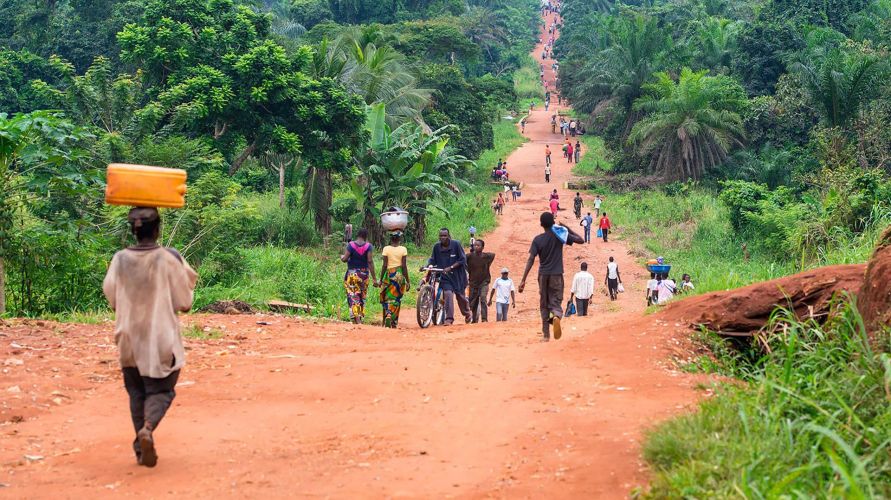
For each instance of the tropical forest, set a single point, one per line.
(744, 142)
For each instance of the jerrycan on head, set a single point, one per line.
(144, 186)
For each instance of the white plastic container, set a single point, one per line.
(395, 220)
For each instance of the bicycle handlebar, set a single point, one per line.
(432, 269)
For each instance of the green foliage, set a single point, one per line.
(811, 420)
(691, 125)
(595, 159)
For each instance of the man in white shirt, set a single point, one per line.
(504, 287)
(597, 201)
(582, 289)
(613, 279)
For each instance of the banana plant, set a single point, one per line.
(405, 167)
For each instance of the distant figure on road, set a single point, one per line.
(503, 291)
(394, 278)
(586, 223)
(605, 226)
(597, 202)
(449, 256)
(582, 289)
(577, 204)
(478, 264)
(613, 279)
(548, 247)
(146, 285)
(548, 173)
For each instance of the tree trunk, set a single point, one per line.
(281, 185)
(375, 230)
(233, 169)
(322, 213)
(2, 287)
(420, 228)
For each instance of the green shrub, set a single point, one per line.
(811, 420)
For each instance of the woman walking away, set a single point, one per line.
(394, 279)
(605, 226)
(569, 153)
(613, 279)
(359, 257)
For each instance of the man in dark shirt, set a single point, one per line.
(449, 255)
(478, 264)
(549, 249)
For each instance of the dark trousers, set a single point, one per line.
(613, 286)
(463, 306)
(581, 306)
(550, 290)
(478, 309)
(547, 177)
(150, 398)
(605, 234)
(587, 234)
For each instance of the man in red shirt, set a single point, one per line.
(605, 226)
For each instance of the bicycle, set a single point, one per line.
(431, 303)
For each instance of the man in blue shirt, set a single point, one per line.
(587, 222)
(449, 255)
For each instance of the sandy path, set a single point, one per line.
(298, 408)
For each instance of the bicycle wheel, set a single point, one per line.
(425, 306)
(439, 308)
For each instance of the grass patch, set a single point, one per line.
(811, 420)
(595, 159)
(527, 83)
(201, 332)
(84, 317)
(692, 231)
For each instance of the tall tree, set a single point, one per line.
(691, 124)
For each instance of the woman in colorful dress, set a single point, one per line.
(359, 256)
(394, 279)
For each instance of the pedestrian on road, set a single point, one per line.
(586, 223)
(548, 173)
(554, 205)
(523, 125)
(394, 278)
(578, 151)
(597, 202)
(478, 264)
(146, 285)
(504, 292)
(582, 289)
(514, 192)
(605, 226)
(613, 279)
(554, 124)
(548, 247)
(652, 290)
(577, 204)
(547, 154)
(570, 156)
(359, 257)
(449, 256)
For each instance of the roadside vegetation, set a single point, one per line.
(289, 124)
(747, 141)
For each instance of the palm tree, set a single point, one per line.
(840, 83)
(691, 125)
(405, 167)
(713, 43)
(486, 28)
(633, 50)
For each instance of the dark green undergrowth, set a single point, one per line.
(810, 419)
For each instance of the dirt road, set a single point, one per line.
(279, 407)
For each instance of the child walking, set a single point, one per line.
(146, 285)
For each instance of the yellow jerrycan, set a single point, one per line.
(144, 186)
